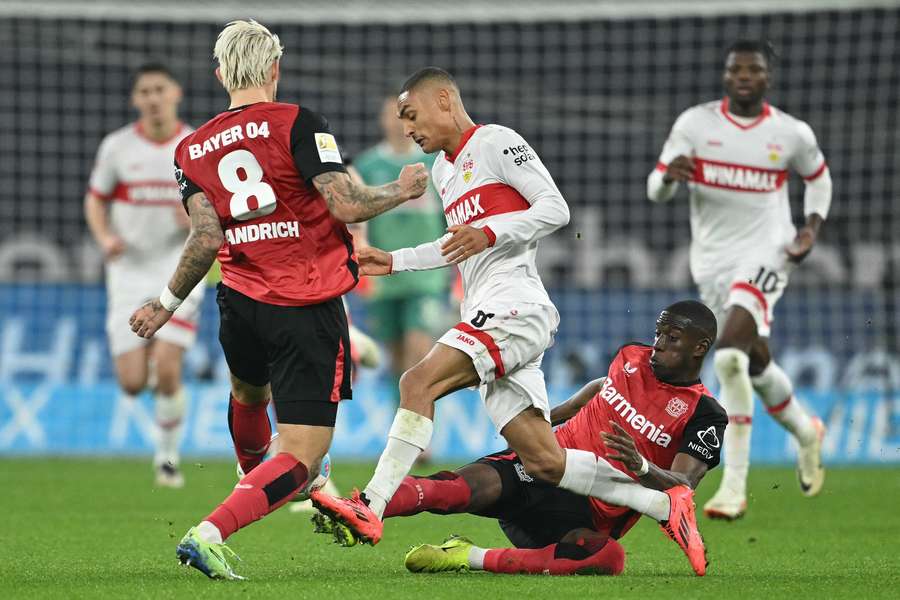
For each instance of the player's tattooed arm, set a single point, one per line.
(199, 252)
(686, 470)
(568, 409)
(352, 202)
(202, 245)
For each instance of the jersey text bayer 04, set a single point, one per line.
(255, 164)
(662, 419)
(739, 193)
(494, 181)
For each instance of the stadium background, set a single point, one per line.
(593, 86)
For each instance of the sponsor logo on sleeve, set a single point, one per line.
(328, 148)
(710, 442)
(179, 177)
(676, 407)
(629, 370)
(520, 154)
(708, 437)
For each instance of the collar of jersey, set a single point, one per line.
(243, 106)
(143, 134)
(467, 134)
(766, 111)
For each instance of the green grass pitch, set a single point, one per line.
(92, 528)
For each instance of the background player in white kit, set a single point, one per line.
(499, 200)
(133, 209)
(735, 155)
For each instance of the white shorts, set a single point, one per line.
(126, 292)
(755, 286)
(506, 343)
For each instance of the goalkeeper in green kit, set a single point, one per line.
(404, 307)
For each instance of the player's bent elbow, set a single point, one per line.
(346, 214)
(565, 216)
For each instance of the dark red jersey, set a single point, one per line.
(663, 420)
(255, 164)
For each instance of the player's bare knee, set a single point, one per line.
(245, 393)
(546, 466)
(133, 387)
(415, 387)
(168, 380)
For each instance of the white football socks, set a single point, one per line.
(476, 558)
(410, 434)
(775, 389)
(209, 532)
(732, 368)
(169, 426)
(589, 475)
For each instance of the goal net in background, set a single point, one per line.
(592, 86)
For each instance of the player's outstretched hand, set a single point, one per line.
(620, 446)
(802, 244)
(149, 318)
(413, 180)
(373, 261)
(680, 169)
(466, 241)
(112, 246)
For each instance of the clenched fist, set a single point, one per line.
(373, 261)
(413, 180)
(680, 169)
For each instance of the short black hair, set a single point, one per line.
(427, 74)
(701, 317)
(763, 47)
(153, 67)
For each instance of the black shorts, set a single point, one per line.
(531, 513)
(303, 351)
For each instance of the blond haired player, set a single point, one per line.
(269, 196)
(134, 212)
(735, 155)
(499, 201)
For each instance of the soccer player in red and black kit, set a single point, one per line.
(268, 195)
(650, 417)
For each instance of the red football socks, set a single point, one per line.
(557, 559)
(268, 487)
(250, 431)
(441, 493)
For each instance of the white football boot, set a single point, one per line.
(810, 471)
(169, 475)
(727, 503)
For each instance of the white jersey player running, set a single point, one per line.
(499, 200)
(735, 155)
(133, 208)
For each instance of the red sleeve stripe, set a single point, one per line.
(774, 410)
(740, 419)
(492, 237)
(100, 194)
(488, 341)
(662, 167)
(818, 172)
